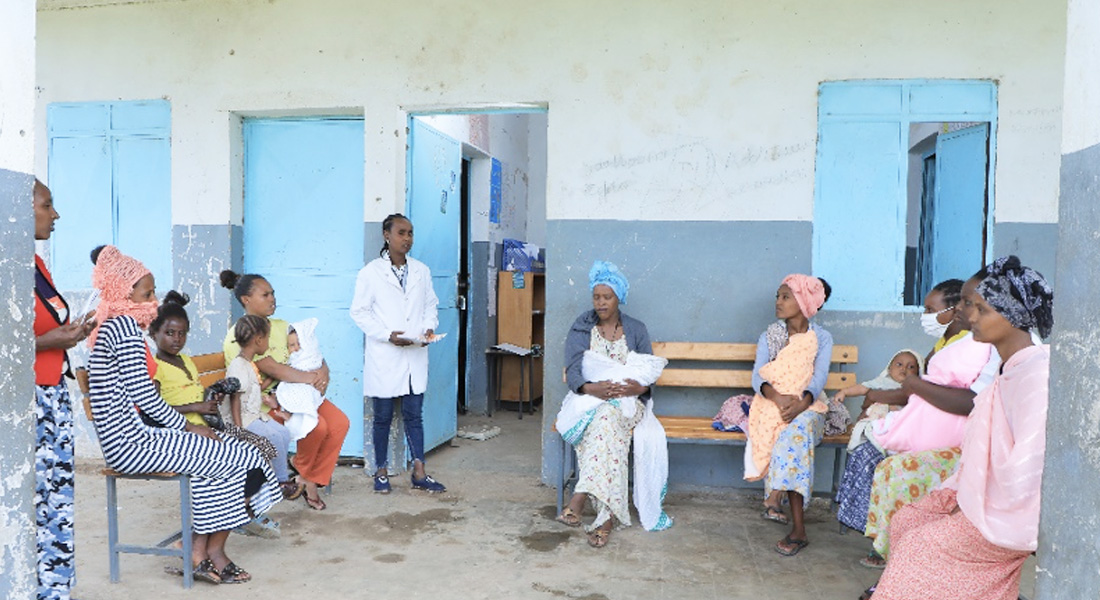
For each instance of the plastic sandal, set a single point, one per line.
(795, 546)
(568, 518)
(873, 561)
(234, 574)
(204, 571)
(597, 538)
(772, 513)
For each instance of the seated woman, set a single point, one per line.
(177, 378)
(955, 358)
(969, 539)
(231, 481)
(905, 478)
(801, 415)
(602, 435)
(318, 452)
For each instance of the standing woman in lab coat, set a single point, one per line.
(395, 306)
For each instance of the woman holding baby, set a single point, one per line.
(319, 450)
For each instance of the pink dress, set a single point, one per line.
(921, 426)
(969, 539)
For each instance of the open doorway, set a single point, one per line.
(948, 204)
(474, 180)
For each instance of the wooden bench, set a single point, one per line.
(711, 368)
(211, 367)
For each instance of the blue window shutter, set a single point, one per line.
(859, 213)
(111, 181)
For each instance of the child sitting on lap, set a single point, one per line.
(903, 364)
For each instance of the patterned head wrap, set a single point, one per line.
(606, 273)
(115, 276)
(808, 291)
(1019, 294)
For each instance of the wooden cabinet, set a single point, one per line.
(521, 318)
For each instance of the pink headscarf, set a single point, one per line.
(115, 276)
(808, 292)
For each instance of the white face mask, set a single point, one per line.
(932, 326)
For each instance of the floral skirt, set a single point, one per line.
(854, 493)
(938, 554)
(792, 462)
(903, 479)
(603, 463)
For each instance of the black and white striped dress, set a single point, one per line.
(119, 380)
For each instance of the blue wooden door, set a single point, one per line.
(960, 202)
(110, 174)
(303, 231)
(434, 207)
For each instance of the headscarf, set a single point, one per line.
(115, 276)
(606, 273)
(808, 291)
(884, 381)
(1019, 294)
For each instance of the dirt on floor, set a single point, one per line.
(492, 535)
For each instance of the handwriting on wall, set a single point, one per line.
(693, 176)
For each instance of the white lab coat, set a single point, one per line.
(381, 307)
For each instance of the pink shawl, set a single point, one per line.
(920, 426)
(1001, 469)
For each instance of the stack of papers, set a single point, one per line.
(514, 349)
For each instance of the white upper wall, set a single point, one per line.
(1081, 117)
(17, 125)
(689, 110)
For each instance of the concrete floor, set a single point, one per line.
(492, 535)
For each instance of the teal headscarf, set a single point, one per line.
(606, 273)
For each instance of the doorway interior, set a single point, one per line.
(947, 215)
(474, 179)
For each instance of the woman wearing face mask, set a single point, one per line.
(935, 403)
(969, 539)
(231, 481)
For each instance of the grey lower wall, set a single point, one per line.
(17, 402)
(1034, 243)
(1069, 525)
(200, 253)
(716, 282)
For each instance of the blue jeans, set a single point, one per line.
(411, 413)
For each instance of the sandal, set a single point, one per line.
(597, 538)
(292, 489)
(794, 546)
(873, 561)
(317, 504)
(204, 571)
(868, 593)
(234, 574)
(568, 518)
(776, 514)
(264, 527)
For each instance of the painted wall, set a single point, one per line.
(1069, 525)
(713, 282)
(17, 403)
(693, 113)
(680, 112)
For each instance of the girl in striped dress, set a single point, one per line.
(231, 480)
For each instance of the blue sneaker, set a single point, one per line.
(428, 484)
(381, 484)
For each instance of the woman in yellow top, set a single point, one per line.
(177, 377)
(319, 450)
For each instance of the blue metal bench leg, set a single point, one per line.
(186, 529)
(112, 528)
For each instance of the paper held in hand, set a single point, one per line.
(435, 337)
